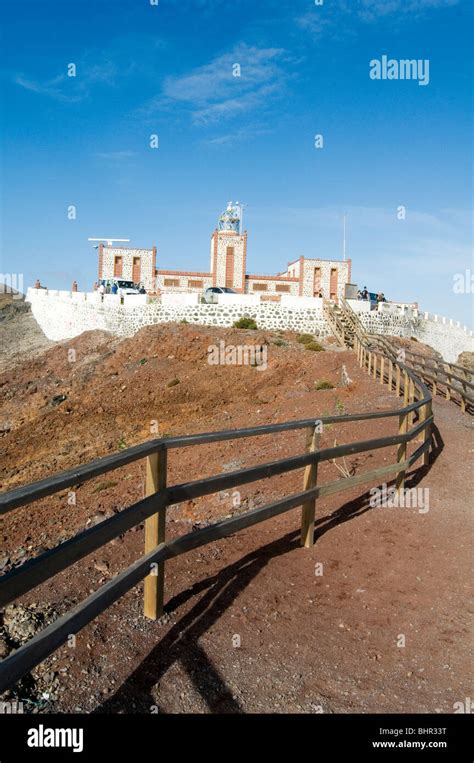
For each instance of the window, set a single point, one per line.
(136, 270)
(282, 287)
(117, 267)
(195, 284)
(260, 287)
(333, 283)
(229, 267)
(171, 282)
(317, 282)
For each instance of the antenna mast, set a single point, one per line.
(344, 236)
(241, 214)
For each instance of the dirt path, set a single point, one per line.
(251, 625)
(326, 643)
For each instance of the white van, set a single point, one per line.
(123, 286)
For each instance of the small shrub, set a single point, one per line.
(245, 323)
(122, 445)
(173, 383)
(323, 384)
(340, 407)
(183, 320)
(104, 486)
(314, 346)
(305, 338)
(280, 342)
(413, 339)
(142, 362)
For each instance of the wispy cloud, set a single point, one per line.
(449, 222)
(212, 93)
(114, 156)
(52, 88)
(370, 10)
(326, 19)
(107, 65)
(244, 133)
(72, 89)
(314, 22)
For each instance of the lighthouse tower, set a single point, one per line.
(229, 250)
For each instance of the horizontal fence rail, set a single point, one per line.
(34, 491)
(435, 372)
(415, 421)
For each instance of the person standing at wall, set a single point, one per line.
(74, 286)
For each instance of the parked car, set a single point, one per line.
(123, 286)
(211, 294)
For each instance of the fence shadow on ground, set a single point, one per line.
(181, 643)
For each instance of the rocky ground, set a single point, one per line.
(253, 622)
(20, 335)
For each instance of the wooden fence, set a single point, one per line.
(456, 381)
(414, 424)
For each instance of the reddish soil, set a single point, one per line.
(387, 572)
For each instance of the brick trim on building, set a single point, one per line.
(215, 239)
(183, 273)
(101, 260)
(244, 263)
(272, 278)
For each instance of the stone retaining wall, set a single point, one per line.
(446, 338)
(62, 316)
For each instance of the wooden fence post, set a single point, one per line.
(390, 374)
(411, 399)
(369, 366)
(449, 383)
(382, 369)
(397, 387)
(402, 450)
(427, 432)
(406, 388)
(421, 416)
(308, 512)
(375, 365)
(463, 393)
(155, 531)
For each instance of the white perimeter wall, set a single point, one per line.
(63, 317)
(447, 338)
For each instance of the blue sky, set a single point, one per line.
(167, 69)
